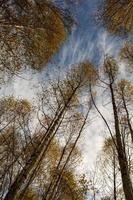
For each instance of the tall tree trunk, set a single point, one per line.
(57, 183)
(126, 181)
(30, 166)
(36, 156)
(57, 168)
(114, 173)
(128, 117)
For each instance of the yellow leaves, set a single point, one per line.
(25, 106)
(52, 155)
(89, 72)
(123, 85)
(85, 73)
(45, 41)
(31, 194)
(7, 136)
(10, 148)
(110, 68)
(127, 53)
(108, 145)
(124, 90)
(10, 104)
(118, 15)
(54, 152)
(70, 180)
(80, 76)
(31, 36)
(68, 90)
(68, 93)
(74, 188)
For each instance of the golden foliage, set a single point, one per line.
(73, 188)
(80, 76)
(30, 34)
(31, 194)
(54, 152)
(127, 53)
(108, 145)
(124, 90)
(10, 104)
(117, 16)
(84, 72)
(110, 68)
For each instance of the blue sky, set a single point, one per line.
(86, 40)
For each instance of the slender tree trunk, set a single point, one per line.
(126, 181)
(29, 167)
(57, 168)
(57, 183)
(35, 157)
(128, 118)
(34, 171)
(114, 174)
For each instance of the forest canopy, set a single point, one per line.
(43, 139)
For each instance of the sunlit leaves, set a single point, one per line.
(30, 33)
(117, 16)
(110, 68)
(127, 53)
(85, 73)
(11, 145)
(19, 107)
(124, 90)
